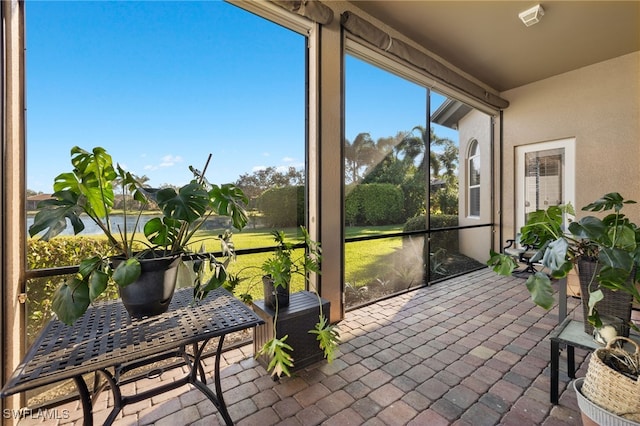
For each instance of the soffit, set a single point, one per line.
(487, 40)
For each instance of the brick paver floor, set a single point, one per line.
(472, 350)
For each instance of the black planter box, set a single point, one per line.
(295, 321)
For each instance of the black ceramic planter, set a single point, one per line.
(271, 293)
(151, 294)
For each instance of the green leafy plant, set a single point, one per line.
(89, 191)
(613, 242)
(280, 267)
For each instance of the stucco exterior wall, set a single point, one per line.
(599, 106)
(475, 126)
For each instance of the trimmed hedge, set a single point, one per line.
(447, 240)
(59, 251)
(437, 221)
(374, 204)
(283, 207)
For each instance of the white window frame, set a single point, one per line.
(470, 158)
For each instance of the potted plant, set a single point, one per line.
(88, 191)
(275, 274)
(607, 249)
(607, 253)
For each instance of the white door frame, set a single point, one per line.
(569, 172)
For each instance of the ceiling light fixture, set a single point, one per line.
(531, 16)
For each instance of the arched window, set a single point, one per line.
(473, 195)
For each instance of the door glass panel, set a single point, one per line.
(545, 174)
(543, 179)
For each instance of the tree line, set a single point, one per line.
(404, 160)
(407, 160)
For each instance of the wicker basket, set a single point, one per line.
(594, 415)
(610, 389)
(615, 304)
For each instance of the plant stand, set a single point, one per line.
(295, 321)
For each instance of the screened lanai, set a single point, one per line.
(404, 159)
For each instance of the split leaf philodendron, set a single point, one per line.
(613, 242)
(90, 190)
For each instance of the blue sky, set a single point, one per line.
(161, 85)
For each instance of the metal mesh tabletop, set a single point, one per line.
(106, 337)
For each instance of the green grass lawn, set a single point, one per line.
(365, 260)
(382, 265)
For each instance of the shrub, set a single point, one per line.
(374, 204)
(59, 251)
(283, 207)
(414, 190)
(447, 240)
(353, 205)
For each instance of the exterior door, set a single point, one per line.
(545, 176)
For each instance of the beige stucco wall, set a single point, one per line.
(475, 125)
(599, 106)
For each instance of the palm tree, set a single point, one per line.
(386, 147)
(414, 146)
(125, 197)
(386, 166)
(449, 159)
(358, 155)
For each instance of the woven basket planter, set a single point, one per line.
(610, 389)
(615, 304)
(594, 415)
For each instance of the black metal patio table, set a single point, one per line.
(106, 342)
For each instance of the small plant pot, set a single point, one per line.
(151, 294)
(271, 293)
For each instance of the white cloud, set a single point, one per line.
(170, 160)
(290, 162)
(166, 161)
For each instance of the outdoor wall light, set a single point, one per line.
(531, 16)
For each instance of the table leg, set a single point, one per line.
(216, 379)
(118, 401)
(571, 362)
(216, 397)
(85, 398)
(562, 299)
(555, 371)
(200, 367)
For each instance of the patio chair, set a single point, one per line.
(527, 254)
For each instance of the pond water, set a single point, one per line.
(90, 228)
